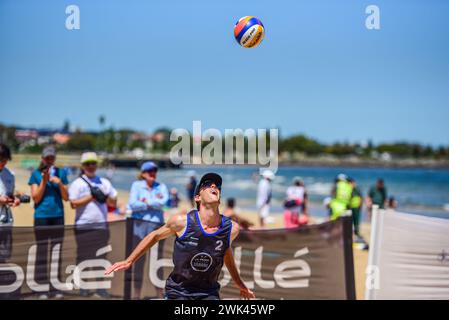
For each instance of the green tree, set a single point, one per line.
(8, 137)
(66, 126)
(165, 144)
(341, 149)
(102, 120)
(301, 143)
(81, 142)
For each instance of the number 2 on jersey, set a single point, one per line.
(219, 244)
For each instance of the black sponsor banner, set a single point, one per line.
(312, 262)
(64, 260)
(304, 263)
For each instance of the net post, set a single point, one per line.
(348, 257)
(374, 246)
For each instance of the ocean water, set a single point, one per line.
(418, 191)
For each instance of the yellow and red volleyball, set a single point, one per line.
(249, 32)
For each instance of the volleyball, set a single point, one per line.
(249, 32)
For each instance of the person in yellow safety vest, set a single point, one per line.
(341, 197)
(356, 206)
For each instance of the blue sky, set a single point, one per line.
(147, 64)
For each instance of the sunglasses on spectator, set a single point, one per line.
(90, 163)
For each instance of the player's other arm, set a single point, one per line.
(173, 226)
(245, 293)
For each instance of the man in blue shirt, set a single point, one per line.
(48, 189)
(146, 201)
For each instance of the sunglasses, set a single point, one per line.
(150, 171)
(208, 184)
(90, 163)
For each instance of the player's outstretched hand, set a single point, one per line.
(246, 294)
(122, 265)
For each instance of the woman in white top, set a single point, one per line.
(89, 195)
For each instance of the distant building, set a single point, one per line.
(61, 138)
(385, 156)
(26, 135)
(158, 137)
(30, 137)
(139, 136)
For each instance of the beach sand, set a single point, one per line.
(23, 216)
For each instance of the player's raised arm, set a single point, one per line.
(173, 226)
(245, 293)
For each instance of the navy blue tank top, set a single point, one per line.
(198, 258)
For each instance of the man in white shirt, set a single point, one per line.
(264, 192)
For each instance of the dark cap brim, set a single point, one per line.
(209, 177)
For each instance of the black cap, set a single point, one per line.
(215, 178)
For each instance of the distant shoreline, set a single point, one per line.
(73, 160)
(368, 164)
(342, 164)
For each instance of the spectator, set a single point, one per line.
(48, 189)
(356, 204)
(89, 195)
(191, 186)
(296, 203)
(298, 192)
(327, 204)
(341, 196)
(173, 200)
(392, 203)
(7, 200)
(7, 186)
(264, 193)
(377, 195)
(146, 200)
(232, 212)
